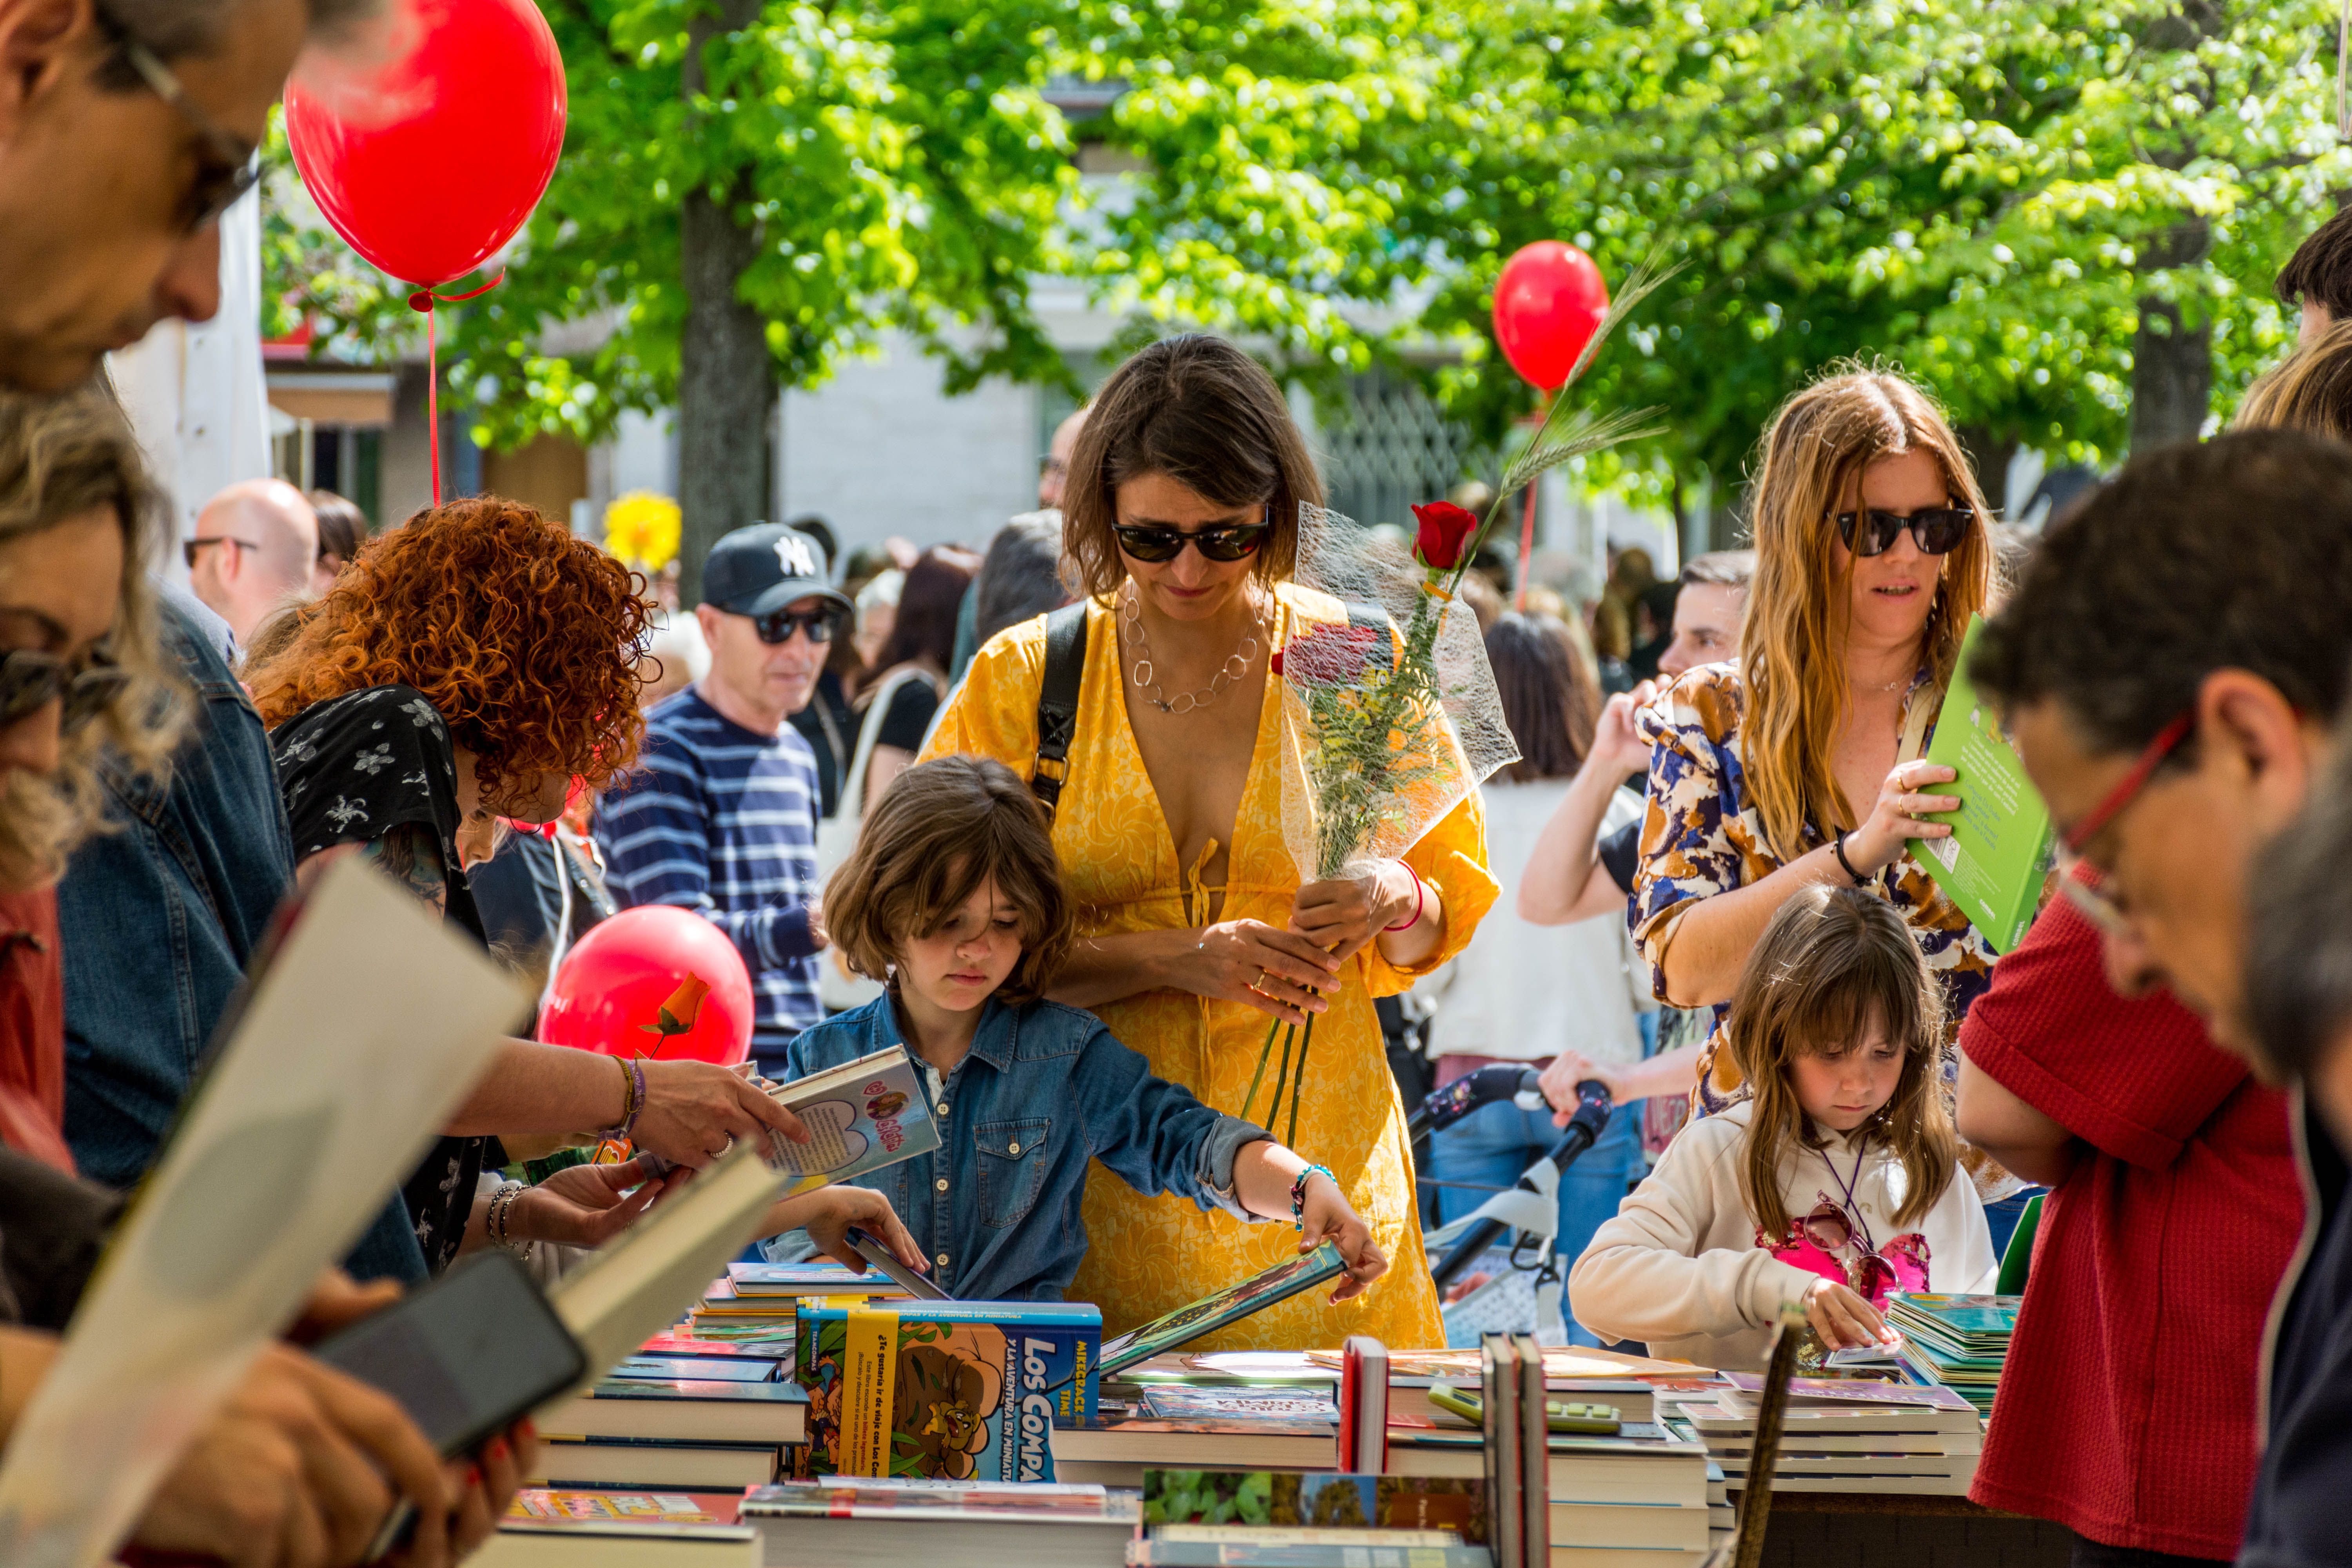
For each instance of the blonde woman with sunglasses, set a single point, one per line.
(1180, 526)
(1801, 765)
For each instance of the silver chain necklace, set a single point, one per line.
(1237, 665)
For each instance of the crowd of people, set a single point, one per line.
(1021, 812)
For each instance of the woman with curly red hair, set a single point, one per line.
(467, 665)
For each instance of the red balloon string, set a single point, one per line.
(423, 300)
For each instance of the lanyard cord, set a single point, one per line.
(1853, 1204)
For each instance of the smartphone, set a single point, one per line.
(467, 1356)
(871, 1250)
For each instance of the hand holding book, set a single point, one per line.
(829, 1213)
(1265, 1177)
(1899, 815)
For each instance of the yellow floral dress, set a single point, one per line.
(1147, 1255)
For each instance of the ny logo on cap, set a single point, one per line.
(793, 553)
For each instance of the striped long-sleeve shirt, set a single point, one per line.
(722, 820)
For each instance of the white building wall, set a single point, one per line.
(880, 451)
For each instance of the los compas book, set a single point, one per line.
(1992, 865)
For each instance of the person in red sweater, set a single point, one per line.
(2128, 1410)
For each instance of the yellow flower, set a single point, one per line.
(641, 529)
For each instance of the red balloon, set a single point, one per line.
(1547, 304)
(459, 144)
(656, 980)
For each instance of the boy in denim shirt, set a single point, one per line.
(954, 896)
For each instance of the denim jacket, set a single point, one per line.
(159, 917)
(1043, 1089)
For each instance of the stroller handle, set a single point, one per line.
(1584, 1128)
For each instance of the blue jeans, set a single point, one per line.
(1496, 1143)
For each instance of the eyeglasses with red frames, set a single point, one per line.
(2151, 757)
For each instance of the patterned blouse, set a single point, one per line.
(1704, 836)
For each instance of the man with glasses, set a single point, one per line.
(126, 129)
(722, 817)
(2173, 665)
(256, 546)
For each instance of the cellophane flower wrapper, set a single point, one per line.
(1389, 711)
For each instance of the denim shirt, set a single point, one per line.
(1043, 1089)
(159, 917)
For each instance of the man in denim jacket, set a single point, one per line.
(160, 918)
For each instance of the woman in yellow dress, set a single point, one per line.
(1181, 520)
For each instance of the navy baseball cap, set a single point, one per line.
(758, 569)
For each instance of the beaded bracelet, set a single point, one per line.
(1298, 1193)
(1420, 894)
(502, 1202)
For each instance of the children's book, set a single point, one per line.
(945, 1390)
(1214, 1311)
(1747, 1389)
(1562, 1363)
(1170, 1402)
(706, 1369)
(684, 1410)
(1364, 1405)
(861, 1116)
(1283, 1499)
(812, 1277)
(1993, 864)
(620, 1529)
(658, 1508)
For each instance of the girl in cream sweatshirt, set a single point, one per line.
(1835, 1183)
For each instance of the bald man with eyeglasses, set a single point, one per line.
(256, 547)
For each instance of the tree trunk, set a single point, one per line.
(1991, 455)
(724, 383)
(2172, 377)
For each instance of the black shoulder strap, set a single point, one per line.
(1057, 700)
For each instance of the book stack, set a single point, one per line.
(1634, 1498)
(761, 1301)
(1843, 1437)
(605, 1528)
(866, 1522)
(1959, 1342)
(713, 1417)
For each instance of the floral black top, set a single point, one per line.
(352, 771)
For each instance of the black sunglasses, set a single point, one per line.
(31, 681)
(777, 627)
(1155, 544)
(1935, 530)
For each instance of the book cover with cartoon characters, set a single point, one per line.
(944, 1390)
(861, 1116)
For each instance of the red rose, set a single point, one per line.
(1444, 528)
(1331, 655)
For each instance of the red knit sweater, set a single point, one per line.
(2126, 1408)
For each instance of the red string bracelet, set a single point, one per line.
(1420, 899)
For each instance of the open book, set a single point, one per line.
(1214, 1311)
(861, 1116)
(361, 1031)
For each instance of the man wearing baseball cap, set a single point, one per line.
(722, 818)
